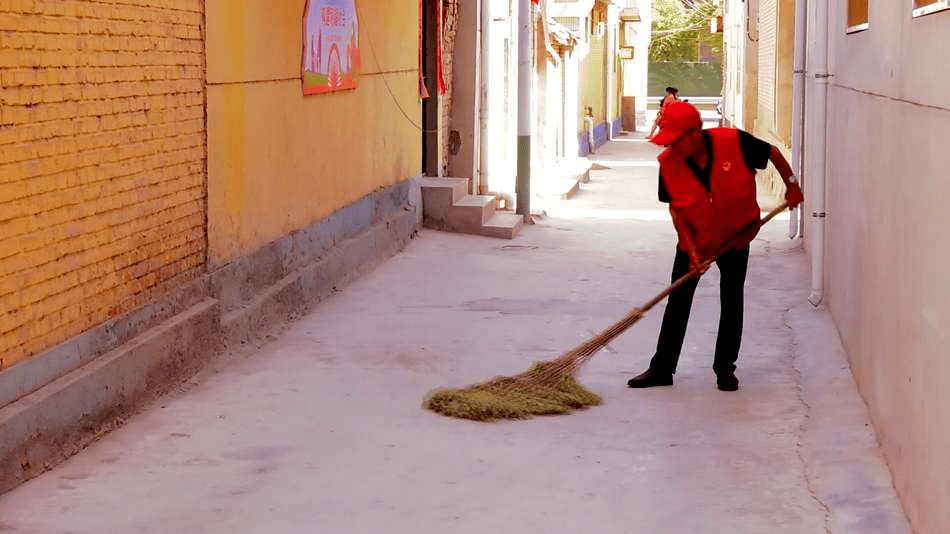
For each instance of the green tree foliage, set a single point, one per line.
(681, 28)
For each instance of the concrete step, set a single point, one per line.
(576, 168)
(563, 180)
(455, 187)
(438, 195)
(503, 225)
(447, 206)
(470, 212)
(564, 187)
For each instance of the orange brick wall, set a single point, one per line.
(102, 162)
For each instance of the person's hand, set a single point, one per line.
(793, 195)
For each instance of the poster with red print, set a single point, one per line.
(331, 46)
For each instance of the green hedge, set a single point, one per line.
(692, 79)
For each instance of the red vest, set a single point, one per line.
(730, 205)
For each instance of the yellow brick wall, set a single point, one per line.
(102, 162)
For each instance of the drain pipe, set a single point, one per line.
(819, 150)
(798, 106)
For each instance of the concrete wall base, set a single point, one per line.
(56, 403)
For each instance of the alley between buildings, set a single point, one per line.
(321, 428)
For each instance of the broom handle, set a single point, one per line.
(609, 334)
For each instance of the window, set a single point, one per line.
(858, 15)
(925, 7)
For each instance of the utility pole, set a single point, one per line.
(525, 41)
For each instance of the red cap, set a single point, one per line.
(676, 119)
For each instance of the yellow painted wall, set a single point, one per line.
(279, 161)
(593, 77)
(618, 87)
(102, 146)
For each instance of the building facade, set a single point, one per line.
(887, 120)
(168, 187)
(579, 81)
(865, 120)
(182, 176)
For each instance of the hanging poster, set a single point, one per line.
(331, 46)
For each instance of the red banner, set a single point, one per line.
(438, 49)
(422, 82)
(438, 45)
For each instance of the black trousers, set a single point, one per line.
(732, 269)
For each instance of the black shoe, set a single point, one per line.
(727, 382)
(650, 378)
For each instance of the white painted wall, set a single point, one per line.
(635, 70)
(734, 35)
(500, 107)
(888, 238)
(548, 102)
(555, 100)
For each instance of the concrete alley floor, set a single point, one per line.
(321, 429)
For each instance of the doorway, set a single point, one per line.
(431, 11)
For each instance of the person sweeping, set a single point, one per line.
(708, 179)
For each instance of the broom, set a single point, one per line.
(550, 387)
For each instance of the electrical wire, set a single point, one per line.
(389, 89)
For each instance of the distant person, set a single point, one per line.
(669, 98)
(708, 179)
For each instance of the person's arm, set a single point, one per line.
(793, 192)
(759, 153)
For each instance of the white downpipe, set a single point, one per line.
(818, 150)
(484, 159)
(798, 104)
